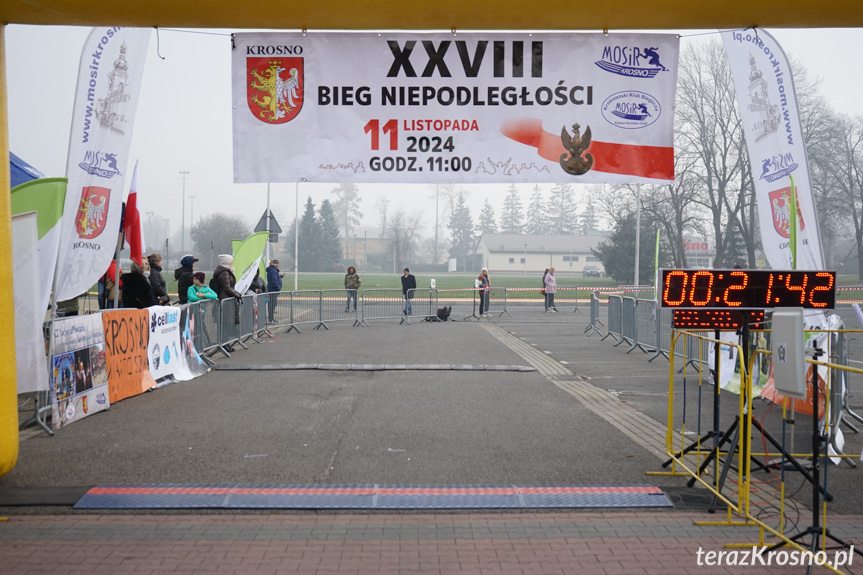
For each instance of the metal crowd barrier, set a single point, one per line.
(333, 307)
(206, 336)
(646, 325)
(280, 310)
(307, 307)
(497, 298)
(231, 320)
(594, 315)
(615, 319)
(567, 295)
(628, 326)
(662, 343)
(261, 301)
(385, 304)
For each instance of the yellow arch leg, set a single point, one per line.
(9, 380)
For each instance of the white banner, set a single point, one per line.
(434, 107)
(163, 350)
(103, 116)
(774, 138)
(30, 357)
(79, 373)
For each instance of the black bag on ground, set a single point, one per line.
(443, 312)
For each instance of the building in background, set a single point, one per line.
(699, 254)
(513, 253)
(367, 248)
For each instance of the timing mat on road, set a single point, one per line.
(172, 496)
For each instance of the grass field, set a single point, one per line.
(446, 281)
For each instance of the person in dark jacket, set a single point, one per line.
(157, 280)
(226, 280)
(137, 291)
(257, 285)
(274, 286)
(184, 276)
(409, 282)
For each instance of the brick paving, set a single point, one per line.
(605, 543)
(554, 542)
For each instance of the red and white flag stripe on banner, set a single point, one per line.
(103, 117)
(481, 107)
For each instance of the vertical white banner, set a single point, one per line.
(103, 116)
(774, 138)
(29, 342)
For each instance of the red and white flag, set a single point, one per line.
(132, 226)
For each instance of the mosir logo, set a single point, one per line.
(92, 212)
(632, 61)
(631, 110)
(777, 166)
(780, 205)
(275, 88)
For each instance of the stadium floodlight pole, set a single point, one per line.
(183, 175)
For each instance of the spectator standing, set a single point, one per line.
(409, 283)
(137, 291)
(274, 286)
(352, 284)
(484, 293)
(157, 280)
(550, 287)
(257, 285)
(226, 280)
(184, 277)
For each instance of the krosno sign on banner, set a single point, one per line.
(472, 107)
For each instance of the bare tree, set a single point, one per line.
(711, 134)
(838, 171)
(347, 210)
(403, 233)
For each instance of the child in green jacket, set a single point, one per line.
(198, 291)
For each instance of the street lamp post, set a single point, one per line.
(191, 212)
(525, 259)
(184, 175)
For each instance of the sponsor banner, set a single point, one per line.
(79, 374)
(163, 348)
(480, 107)
(30, 360)
(247, 259)
(103, 116)
(771, 124)
(45, 197)
(191, 363)
(126, 337)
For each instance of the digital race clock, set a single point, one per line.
(747, 289)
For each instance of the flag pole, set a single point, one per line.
(120, 239)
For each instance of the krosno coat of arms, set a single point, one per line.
(275, 88)
(780, 205)
(92, 212)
